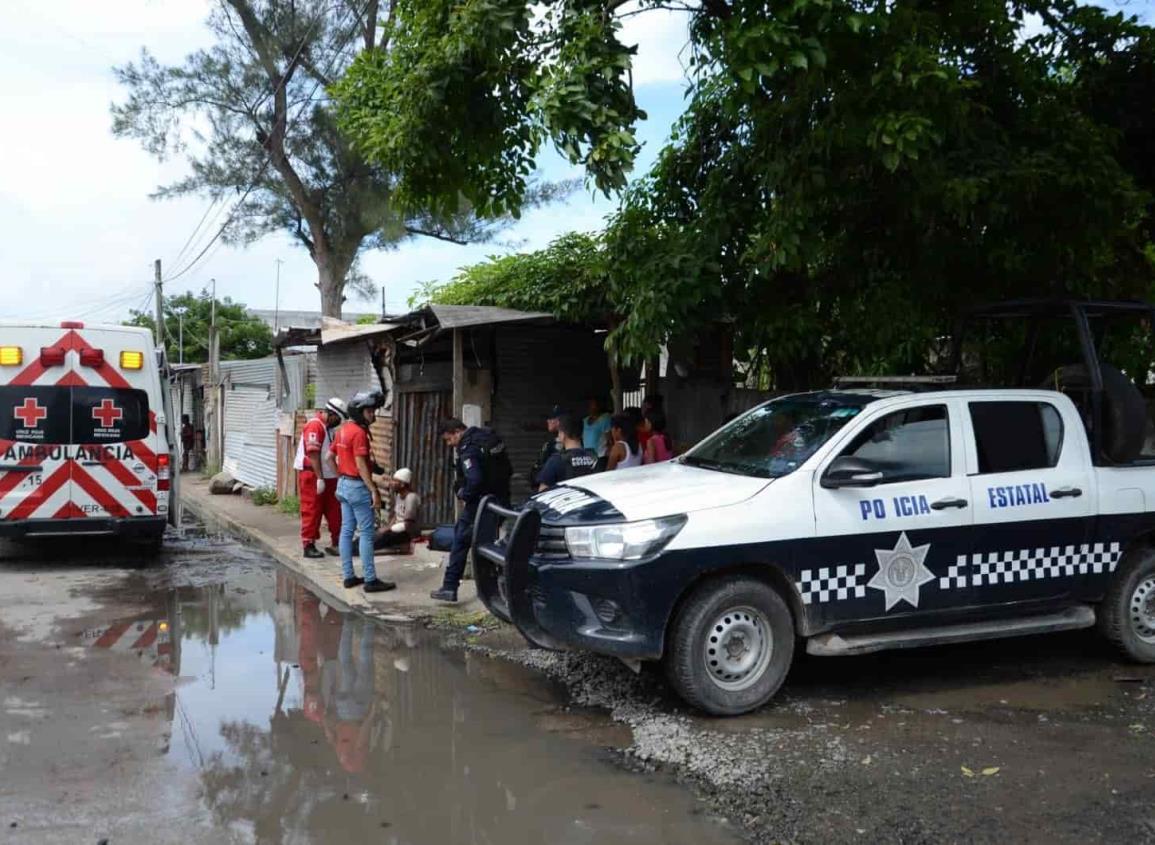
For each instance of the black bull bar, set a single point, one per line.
(501, 569)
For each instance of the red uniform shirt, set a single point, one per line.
(350, 441)
(314, 434)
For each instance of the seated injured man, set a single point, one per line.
(400, 530)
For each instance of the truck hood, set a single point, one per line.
(667, 488)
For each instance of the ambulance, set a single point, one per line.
(85, 445)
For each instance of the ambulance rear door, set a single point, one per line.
(121, 463)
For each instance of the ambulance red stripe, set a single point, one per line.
(70, 511)
(102, 497)
(126, 477)
(41, 494)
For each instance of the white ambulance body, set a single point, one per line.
(84, 441)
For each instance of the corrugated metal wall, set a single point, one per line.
(250, 421)
(344, 369)
(537, 368)
(292, 383)
(417, 446)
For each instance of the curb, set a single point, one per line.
(210, 516)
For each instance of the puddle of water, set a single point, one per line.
(301, 723)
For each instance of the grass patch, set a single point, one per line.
(461, 619)
(264, 496)
(290, 505)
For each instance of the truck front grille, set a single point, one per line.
(551, 544)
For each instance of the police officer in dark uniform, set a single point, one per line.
(572, 460)
(549, 448)
(483, 469)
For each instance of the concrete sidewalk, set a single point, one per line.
(279, 535)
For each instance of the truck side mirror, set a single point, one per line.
(848, 471)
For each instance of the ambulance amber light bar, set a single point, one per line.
(11, 356)
(131, 360)
(72, 324)
(52, 356)
(92, 357)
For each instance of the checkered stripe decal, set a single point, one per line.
(1036, 564)
(832, 583)
(839, 583)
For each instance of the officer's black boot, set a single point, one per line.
(444, 594)
(311, 550)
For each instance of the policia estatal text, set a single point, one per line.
(483, 469)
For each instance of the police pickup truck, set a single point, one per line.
(847, 521)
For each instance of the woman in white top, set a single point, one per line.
(625, 452)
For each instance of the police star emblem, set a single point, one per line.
(901, 572)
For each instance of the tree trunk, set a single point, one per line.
(331, 273)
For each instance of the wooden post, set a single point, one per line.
(458, 373)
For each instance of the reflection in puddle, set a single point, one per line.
(305, 724)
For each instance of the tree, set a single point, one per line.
(242, 335)
(251, 115)
(566, 279)
(845, 177)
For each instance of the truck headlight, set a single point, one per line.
(624, 540)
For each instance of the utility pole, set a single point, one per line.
(277, 301)
(180, 324)
(382, 302)
(215, 404)
(159, 305)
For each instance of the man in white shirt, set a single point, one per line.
(404, 525)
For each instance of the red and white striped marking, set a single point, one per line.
(68, 487)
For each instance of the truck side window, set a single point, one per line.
(1015, 436)
(907, 445)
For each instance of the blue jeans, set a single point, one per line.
(356, 513)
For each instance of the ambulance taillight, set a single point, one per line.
(52, 356)
(92, 357)
(163, 472)
(11, 356)
(130, 360)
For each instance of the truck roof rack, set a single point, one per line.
(897, 382)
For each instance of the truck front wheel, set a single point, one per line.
(1127, 615)
(730, 646)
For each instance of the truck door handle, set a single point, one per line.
(943, 504)
(1066, 493)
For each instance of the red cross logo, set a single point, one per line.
(107, 414)
(30, 413)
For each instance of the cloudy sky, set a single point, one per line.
(78, 231)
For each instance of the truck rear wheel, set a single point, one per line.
(731, 645)
(1127, 615)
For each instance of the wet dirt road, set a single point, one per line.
(1042, 739)
(212, 698)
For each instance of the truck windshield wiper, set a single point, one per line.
(718, 466)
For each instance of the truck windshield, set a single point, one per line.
(774, 439)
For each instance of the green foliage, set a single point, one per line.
(846, 175)
(242, 335)
(485, 83)
(264, 496)
(566, 279)
(366, 320)
(289, 505)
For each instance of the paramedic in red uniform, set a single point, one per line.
(317, 479)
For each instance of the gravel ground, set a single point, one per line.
(1042, 739)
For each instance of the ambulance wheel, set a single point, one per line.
(730, 646)
(1127, 615)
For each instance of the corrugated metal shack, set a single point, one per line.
(488, 366)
